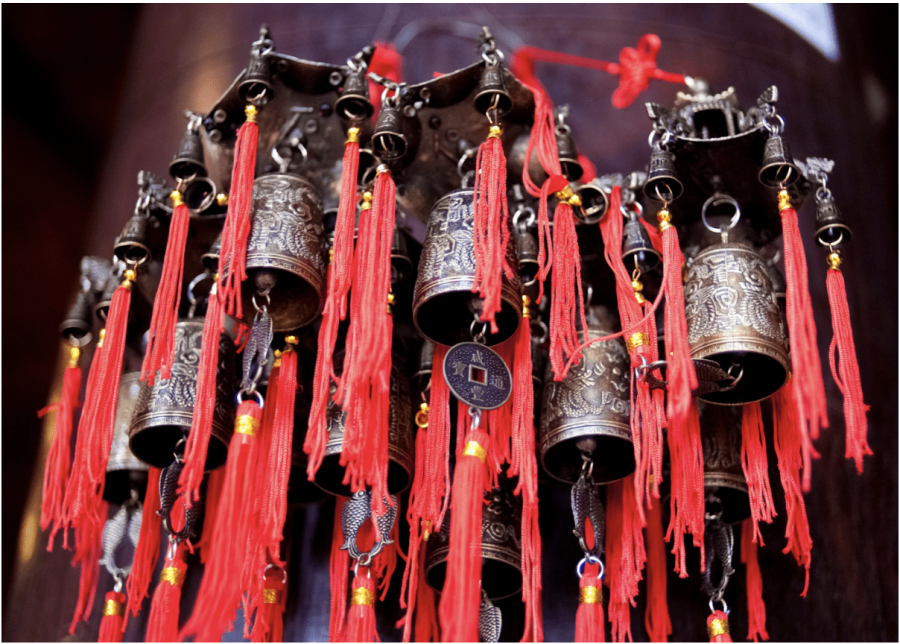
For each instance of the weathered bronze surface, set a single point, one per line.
(720, 435)
(162, 414)
(590, 405)
(443, 301)
(123, 468)
(501, 546)
(733, 318)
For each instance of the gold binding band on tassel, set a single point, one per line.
(246, 425)
(784, 200)
(474, 449)
(591, 595)
(363, 597)
(112, 608)
(718, 627)
(639, 339)
(172, 575)
(270, 596)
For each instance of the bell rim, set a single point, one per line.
(426, 293)
(438, 557)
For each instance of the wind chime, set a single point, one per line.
(644, 375)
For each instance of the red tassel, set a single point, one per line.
(589, 620)
(625, 555)
(461, 597)
(113, 617)
(211, 508)
(56, 469)
(365, 386)
(161, 339)
(220, 590)
(756, 607)
(789, 441)
(204, 403)
(162, 625)
(717, 627)
(809, 391)
(656, 615)
(96, 426)
(846, 372)
(427, 628)
(147, 551)
(361, 617)
(340, 560)
(88, 551)
(490, 231)
(687, 507)
(269, 623)
(755, 464)
(340, 273)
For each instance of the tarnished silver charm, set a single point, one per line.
(477, 375)
(586, 505)
(125, 523)
(356, 511)
(490, 620)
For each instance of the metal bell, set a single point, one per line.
(779, 286)
(256, 85)
(285, 252)
(401, 264)
(189, 161)
(568, 154)
(492, 91)
(586, 416)
(124, 470)
(443, 302)
(501, 547)
(637, 247)
(401, 441)
(594, 203)
(422, 376)
(354, 103)
(162, 414)
(76, 327)
(662, 178)
(778, 167)
(720, 436)
(733, 319)
(527, 253)
(830, 227)
(201, 196)
(105, 299)
(390, 141)
(133, 245)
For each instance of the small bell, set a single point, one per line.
(401, 264)
(133, 245)
(256, 86)
(124, 471)
(201, 196)
(354, 103)
(830, 227)
(594, 203)
(390, 141)
(662, 178)
(778, 167)
(723, 477)
(76, 327)
(492, 91)
(637, 249)
(101, 308)
(189, 161)
(526, 251)
(568, 153)
(210, 259)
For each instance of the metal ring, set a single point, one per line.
(579, 567)
(478, 337)
(668, 192)
(179, 457)
(190, 289)
(267, 305)
(717, 200)
(524, 210)
(775, 129)
(284, 576)
(545, 332)
(172, 548)
(724, 606)
(475, 413)
(632, 206)
(822, 192)
(830, 245)
(788, 176)
(259, 398)
(468, 154)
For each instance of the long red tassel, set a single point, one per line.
(113, 617)
(427, 628)
(162, 625)
(846, 372)
(220, 590)
(756, 607)
(365, 386)
(147, 551)
(56, 469)
(340, 273)
(210, 510)
(340, 560)
(656, 615)
(490, 231)
(755, 464)
(269, 623)
(461, 597)
(809, 394)
(204, 403)
(590, 622)
(625, 555)
(88, 551)
(717, 627)
(361, 617)
(789, 440)
(161, 336)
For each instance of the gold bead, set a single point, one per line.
(100, 341)
(422, 416)
(246, 425)
(834, 260)
(495, 132)
(637, 285)
(74, 354)
(367, 195)
(112, 608)
(784, 200)
(250, 112)
(574, 201)
(175, 196)
(526, 303)
(363, 597)
(639, 297)
(270, 596)
(664, 217)
(172, 575)
(638, 339)
(353, 135)
(130, 275)
(222, 199)
(565, 194)
(291, 339)
(331, 254)
(718, 627)
(473, 448)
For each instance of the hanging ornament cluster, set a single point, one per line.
(260, 338)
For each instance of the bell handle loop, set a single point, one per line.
(719, 199)
(524, 210)
(475, 414)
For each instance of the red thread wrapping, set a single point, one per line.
(756, 607)
(589, 618)
(724, 637)
(162, 625)
(211, 507)
(755, 465)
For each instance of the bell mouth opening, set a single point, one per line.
(528, 271)
(647, 259)
(255, 91)
(76, 332)
(485, 100)
(294, 301)
(155, 446)
(447, 319)
(613, 459)
(762, 376)
(389, 146)
(330, 477)
(735, 503)
(132, 253)
(594, 205)
(185, 169)
(571, 169)
(775, 175)
(199, 195)
(355, 108)
(118, 485)
(401, 267)
(498, 579)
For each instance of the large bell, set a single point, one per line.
(401, 441)
(124, 470)
(586, 415)
(733, 318)
(162, 414)
(285, 252)
(444, 305)
(723, 478)
(501, 547)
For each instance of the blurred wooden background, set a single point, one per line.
(95, 93)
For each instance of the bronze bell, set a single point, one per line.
(162, 414)
(778, 167)
(201, 197)
(526, 252)
(124, 470)
(101, 308)
(734, 319)
(210, 259)
(256, 85)
(492, 91)
(830, 227)
(285, 252)
(779, 286)
(390, 141)
(401, 264)
(444, 305)
(720, 436)
(568, 153)
(637, 247)
(76, 327)
(189, 161)
(594, 203)
(401, 441)
(586, 416)
(422, 376)
(354, 103)
(501, 547)
(133, 243)
(662, 178)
